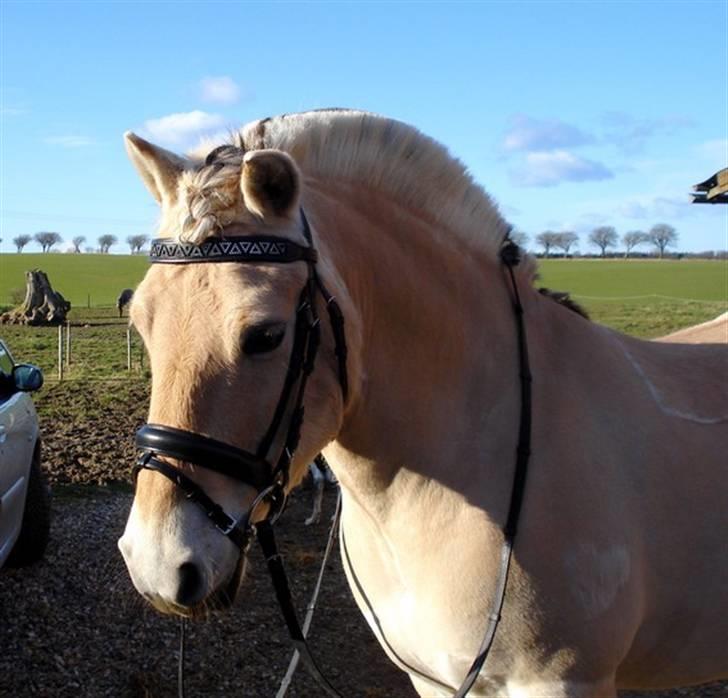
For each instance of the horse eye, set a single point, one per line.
(264, 338)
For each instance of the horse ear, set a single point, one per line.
(270, 182)
(159, 169)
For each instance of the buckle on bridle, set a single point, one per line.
(227, 530)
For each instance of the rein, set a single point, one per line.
(510, 257)
(270, 480)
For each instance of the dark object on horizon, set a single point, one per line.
(713, 190)
(124, 299)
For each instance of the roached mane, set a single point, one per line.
(381, 153)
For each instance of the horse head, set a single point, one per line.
(231, 344)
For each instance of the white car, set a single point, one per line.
(24, 495)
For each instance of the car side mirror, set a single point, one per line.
(27, 378)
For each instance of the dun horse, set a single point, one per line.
(619, 574)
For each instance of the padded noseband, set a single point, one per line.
(215, 455)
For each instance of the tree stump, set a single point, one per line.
(42, 305)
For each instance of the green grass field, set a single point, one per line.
(693, 279)
(100, 277)
(642, 298)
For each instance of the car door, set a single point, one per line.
(18, 433)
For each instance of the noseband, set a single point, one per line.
(267, 477)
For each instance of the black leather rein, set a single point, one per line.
(267, 477)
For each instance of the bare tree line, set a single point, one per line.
(660, 237)
(47, 240)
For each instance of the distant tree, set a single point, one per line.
(603, 237)
(21, 241)
(77, 242)
(633, 238)
(661, 236)
(105, 242)
(46, 240)
(547, 240)
(136, 242)
(566, 240)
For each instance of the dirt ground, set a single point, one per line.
(73, 625)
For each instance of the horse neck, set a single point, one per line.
(434, 346)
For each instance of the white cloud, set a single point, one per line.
(219, 90)
(70, 141)
(632, 209)
(183, 128)
(528, 134)
(631, 133)
(547, 169)
(656, 207)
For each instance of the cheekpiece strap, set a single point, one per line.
(260, 248)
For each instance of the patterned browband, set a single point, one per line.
(260, 248)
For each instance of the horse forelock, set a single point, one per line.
(210, 195)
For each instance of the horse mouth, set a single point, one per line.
(220, 599)
(224, 596)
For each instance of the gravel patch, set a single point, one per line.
(73, 625)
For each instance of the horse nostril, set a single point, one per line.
(190, 584)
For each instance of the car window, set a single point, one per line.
(6, 361)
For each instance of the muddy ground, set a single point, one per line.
(73, 625)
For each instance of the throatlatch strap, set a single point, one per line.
(266, 538)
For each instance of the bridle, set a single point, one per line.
(256, 469)
(269, 479)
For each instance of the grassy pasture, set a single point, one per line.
(76, 276)
(642, 298)
(615, 279)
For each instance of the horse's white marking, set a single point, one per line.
(596, 575)
(660, 401)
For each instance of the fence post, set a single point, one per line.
(88, 300)
(60, 352)
(128, 349)
(68, 344)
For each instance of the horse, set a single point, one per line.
(321, 476)
(124, 299)
(619, 572)
(713, 331)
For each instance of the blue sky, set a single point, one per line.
(570, 114)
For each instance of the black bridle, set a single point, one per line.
(269, 480)
(267, 477)
(257, 470)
